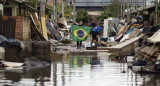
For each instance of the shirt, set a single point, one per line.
(97, 29)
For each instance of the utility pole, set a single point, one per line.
(128, 12)
(36, 5)
(118, 7)
(123, 7)
(55, 10)
(74, 10)
(62, 9)
(144, 4)
(156, 9)
(42, 14)
(42, 8)
(137, 5)
(128, 6)
(132, 4)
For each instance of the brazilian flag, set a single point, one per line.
(80, 33)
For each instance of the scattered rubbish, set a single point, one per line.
(53, 30)
(14, 69)
(155, 37)
(13, 64)
(123, 71)
(88, 44)
(140, 63)
(33, 61)
(2, 53)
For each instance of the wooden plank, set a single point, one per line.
(87, 51)
(147, 50)
(37, 27)
(13, 64)
(121, 45)
(147, 57)
(44, 29)
(155, 37)
(121, 30)
(158, 58)
(37, 22)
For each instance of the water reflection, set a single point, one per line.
(25, 77)
(99, 70)
(79, 61)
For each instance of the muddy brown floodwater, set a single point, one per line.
(97, 70)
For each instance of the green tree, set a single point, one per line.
(67, 12)
(59, 10)
(32, 3)
(109, 11)
(82, 15)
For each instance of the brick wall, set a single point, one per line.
(19, 26)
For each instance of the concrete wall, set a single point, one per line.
(38, 49)
(19, 26)
(26, 28)
(1, 8)
(14, 6)
(23, 28)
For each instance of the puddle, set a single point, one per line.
(99, 70)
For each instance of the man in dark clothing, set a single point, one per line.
(95, 33)
(93, 24)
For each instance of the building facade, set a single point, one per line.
(94, 7)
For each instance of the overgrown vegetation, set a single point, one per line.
(109, 11)
(32, 3)
(158, 12)
(82, 15)
(67, 10)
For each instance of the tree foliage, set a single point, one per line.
(67, 12)
(32, 3)
(109, 11)
(82, 15)
(67, 9)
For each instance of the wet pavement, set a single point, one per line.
(98, 70)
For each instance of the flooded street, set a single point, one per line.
(97, 70)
